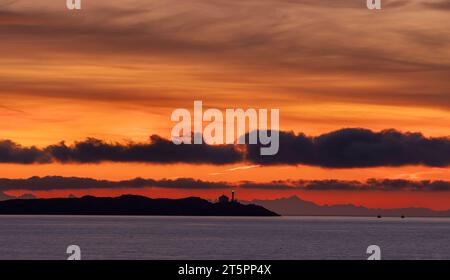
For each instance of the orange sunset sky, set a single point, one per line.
(116, 70)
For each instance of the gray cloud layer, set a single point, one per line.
(75, 183)
(61, 183)
(355, 147)
(340, 185)
(159, 150)
(345, 148)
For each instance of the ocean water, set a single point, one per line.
(119, 237)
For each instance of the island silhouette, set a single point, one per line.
(131, 205)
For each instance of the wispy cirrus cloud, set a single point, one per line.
(440, 5)
(288, 47)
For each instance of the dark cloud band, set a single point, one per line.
(346, 148)
(73, 183)
(158, 150)
(76, 183)
(354, 147)
(341, 185)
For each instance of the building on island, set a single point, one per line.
(225, 199)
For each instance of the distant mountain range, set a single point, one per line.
(4, 196)
(129, 205)
(294, 206)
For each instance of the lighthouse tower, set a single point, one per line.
(232, 196)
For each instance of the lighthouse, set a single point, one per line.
(232, 196)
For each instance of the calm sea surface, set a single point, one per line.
(47, 237)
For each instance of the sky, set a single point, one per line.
(362, 95)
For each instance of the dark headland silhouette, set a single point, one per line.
(294, 206)
(130, 205)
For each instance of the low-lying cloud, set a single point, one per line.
(342, 185)
(76, 183)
